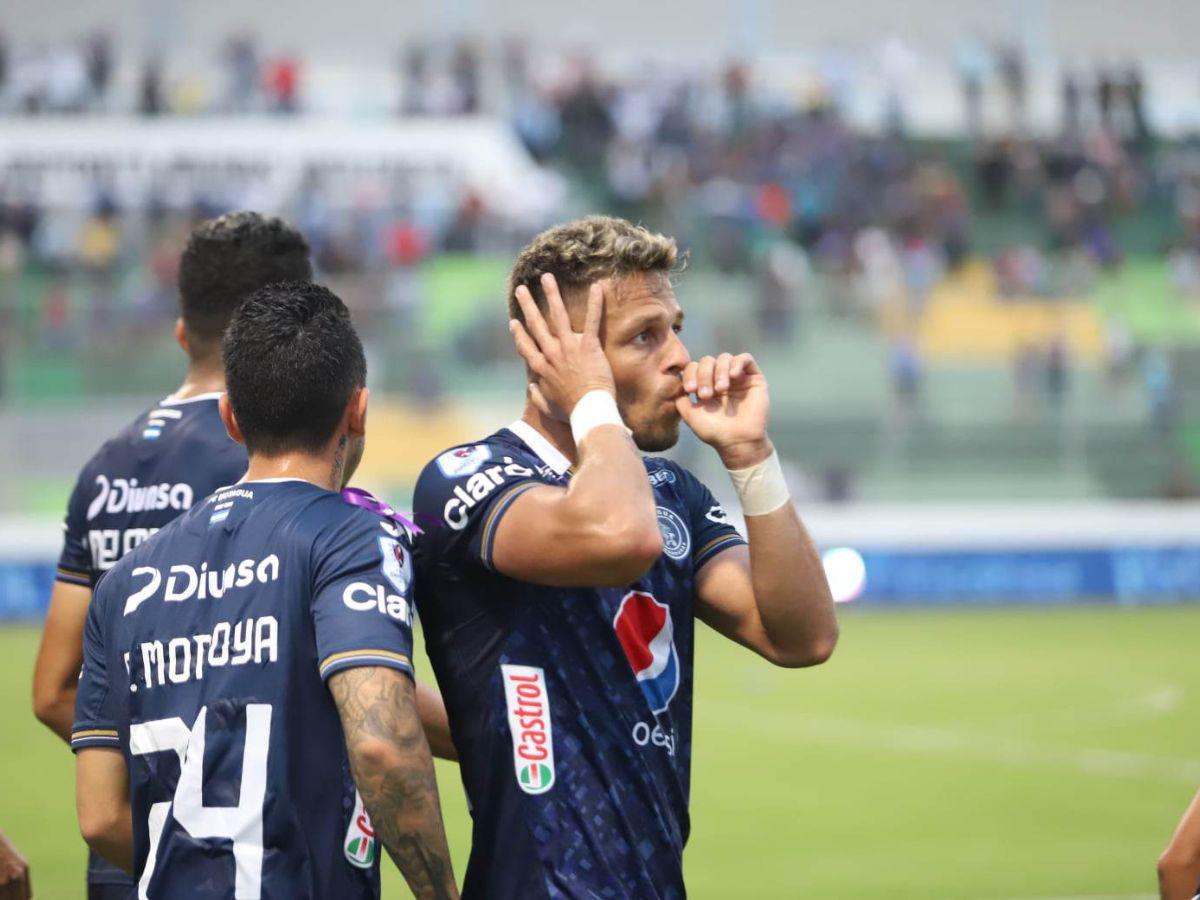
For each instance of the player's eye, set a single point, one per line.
(677, 327)
(643, 337)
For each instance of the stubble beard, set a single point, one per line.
(656, 435)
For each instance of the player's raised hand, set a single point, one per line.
(731, 409)
(565, 363)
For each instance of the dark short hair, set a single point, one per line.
(292, 362)
(585, 250)
(228, 258)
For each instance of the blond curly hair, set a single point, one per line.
(584, 251)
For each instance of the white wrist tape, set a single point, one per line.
(595, 408)
(761, 488)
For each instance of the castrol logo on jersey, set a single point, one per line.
(644, 628)
(529, 721)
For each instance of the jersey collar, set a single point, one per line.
(536, 441)
(171, 401)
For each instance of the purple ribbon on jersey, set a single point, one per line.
(358, 497)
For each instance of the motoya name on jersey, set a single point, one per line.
(206, 652)
(570, 708)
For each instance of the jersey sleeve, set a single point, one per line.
(712, 531)
(95, 701)
(75, 561)
(362, 596)
(463, 494)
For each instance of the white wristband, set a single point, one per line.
(761, 488)
(595, 408)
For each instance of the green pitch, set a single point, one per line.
(963, 754)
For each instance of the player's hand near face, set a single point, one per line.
(732, 409)
(14, 873)
(602, 528)
(566, 364)
(771, 596)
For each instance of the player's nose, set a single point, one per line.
(677, 356)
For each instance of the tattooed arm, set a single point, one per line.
(394, 773)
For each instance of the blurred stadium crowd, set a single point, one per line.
(816, 219)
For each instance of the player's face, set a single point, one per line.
(642, 319)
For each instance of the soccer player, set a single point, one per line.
(173, 455)
(1179, 864)
(14, 872)
(560, 574)
(251, 664)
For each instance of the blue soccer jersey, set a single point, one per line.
(175, 454)
(570, 708)
(171, 456)
(206, 653)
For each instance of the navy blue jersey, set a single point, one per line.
(174, 454)
(570, 708)
(205, 657)
(169, 457)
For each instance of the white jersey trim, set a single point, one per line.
(171, 401)
(541, 447)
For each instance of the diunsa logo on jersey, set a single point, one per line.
(529, 721)
(647, 635)
(126, 495)
(463, 461)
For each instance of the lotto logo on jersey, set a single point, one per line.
(529, 721)
(644, 628)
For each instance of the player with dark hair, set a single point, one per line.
(560, 574)
(169, 457)
(244, 670)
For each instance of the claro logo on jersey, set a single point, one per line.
(529, 721)
(477, 488)
(121, 495)
(644, 628)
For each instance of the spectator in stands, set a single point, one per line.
(282, 83)
(241, 59)
(4, 62)
(904, 366)
(1159, 383)
(98, 63)
(150, 100)
(1057, 372)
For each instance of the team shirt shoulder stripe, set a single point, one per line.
(73, 576)
(351, 658)
(94, 732)
(718, 543)
(502, 502)
(95, 737)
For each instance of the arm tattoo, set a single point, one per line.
(394, 773)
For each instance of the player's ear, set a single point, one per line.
(181, 336)
(356, 412)
(226, 410)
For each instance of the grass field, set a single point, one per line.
(963, 754)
